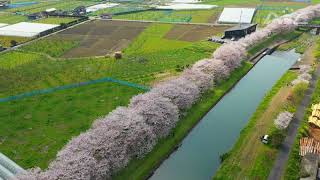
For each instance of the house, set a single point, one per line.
(80, 11)
(239, 31)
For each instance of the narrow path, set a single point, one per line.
(285, 149)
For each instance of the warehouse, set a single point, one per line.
(239, 31)
(25, 29)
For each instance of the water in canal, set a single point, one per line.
(198, 156)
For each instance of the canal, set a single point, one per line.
(199, 155)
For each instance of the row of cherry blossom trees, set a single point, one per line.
(131, 132)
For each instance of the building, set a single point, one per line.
(239, 31)
(27, 29)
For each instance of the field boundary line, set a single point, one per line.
(71, 86)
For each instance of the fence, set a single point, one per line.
(50, 90)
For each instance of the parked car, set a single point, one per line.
(265, 139)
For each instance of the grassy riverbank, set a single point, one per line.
(141, 168)
(249, 157)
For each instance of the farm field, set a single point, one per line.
(194, 16)
(99, 38)
(43, 64)
(6, 41)
(30, 68)
(193, 32)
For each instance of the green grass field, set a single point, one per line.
(33, 129)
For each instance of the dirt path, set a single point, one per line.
(285, 149)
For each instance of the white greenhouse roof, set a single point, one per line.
(51, 10)
(25, 29)
(237, 15)
(100, 6)
(186, 6)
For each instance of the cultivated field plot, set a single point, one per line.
(193, 33)
(195, 16)
(99, 38)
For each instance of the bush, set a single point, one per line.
(224, 156)
(277, 136)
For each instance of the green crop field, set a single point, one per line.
(51, 46)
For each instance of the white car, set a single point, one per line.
(265, 139)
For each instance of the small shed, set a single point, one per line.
(239, 31)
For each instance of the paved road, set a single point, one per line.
(285, 149)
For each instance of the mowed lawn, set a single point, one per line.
(32, 130)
